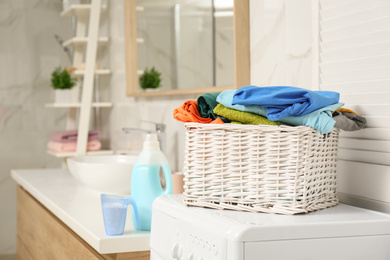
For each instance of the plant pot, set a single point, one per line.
(63, 95)
(151, 89)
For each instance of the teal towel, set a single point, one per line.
(206, 104)
(242, 117)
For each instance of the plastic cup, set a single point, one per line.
(114, 213)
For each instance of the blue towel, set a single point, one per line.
(320, 119)
(285, 101)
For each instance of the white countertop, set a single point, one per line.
(80, 209)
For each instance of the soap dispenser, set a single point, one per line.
(145, 180)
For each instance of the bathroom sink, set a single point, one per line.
(103, 173)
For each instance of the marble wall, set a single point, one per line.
(132, 112)
(280, 54)
(281, 43)
(28, 54)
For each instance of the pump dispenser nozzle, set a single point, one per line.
(151, 141)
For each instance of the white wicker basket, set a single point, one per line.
(260, 168)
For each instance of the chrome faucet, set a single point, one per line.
(159, 131)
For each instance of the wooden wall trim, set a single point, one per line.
(241, 53)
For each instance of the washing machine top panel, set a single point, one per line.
(338, 221)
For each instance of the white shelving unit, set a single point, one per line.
(66, 155)
(97, 72)
(83, 41)
(78, 105)
(79, 10)
(85, 44)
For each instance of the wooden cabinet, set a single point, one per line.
(41, 236)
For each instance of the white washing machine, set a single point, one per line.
(339, 233)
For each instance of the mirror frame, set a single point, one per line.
(241, 53)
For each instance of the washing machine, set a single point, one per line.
(341, 232)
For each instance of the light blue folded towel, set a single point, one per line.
(320, 119)
(284, 101)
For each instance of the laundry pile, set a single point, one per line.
(273, 105)
(66, 141)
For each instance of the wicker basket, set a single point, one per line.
(260, 168)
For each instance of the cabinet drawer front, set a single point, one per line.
(44, 236)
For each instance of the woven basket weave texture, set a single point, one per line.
(260, 168)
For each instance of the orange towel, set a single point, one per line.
(188, 112)
(218, 120)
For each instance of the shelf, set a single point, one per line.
(77, 105)
(97, 72)
(79, 10)
(140, 40)
(85, 45)
(64, 155)
(82, 40)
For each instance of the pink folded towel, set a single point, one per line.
(59, 147)
(71, 136)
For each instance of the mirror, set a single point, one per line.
(170, 56)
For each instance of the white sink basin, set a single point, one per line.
(104, 173)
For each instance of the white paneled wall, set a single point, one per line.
(354, 59)
(341, 46)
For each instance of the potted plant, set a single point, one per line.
(150, 79)
(62, 82)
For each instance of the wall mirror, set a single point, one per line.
(199, 46)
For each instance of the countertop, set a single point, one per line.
(80, 209)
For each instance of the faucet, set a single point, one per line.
(159, 131)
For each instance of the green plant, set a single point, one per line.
(61, 79)
(150, 78)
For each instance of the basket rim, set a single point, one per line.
(279, 128)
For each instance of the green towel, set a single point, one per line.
(242, 117)
(206, 104)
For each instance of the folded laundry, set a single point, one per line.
(206, 104)
(188, 112)
(284, 101)
(349, 121)
(320, 119)
(60, 147)
(71, 136)
(242, 117)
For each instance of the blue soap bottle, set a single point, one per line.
(145, 180)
